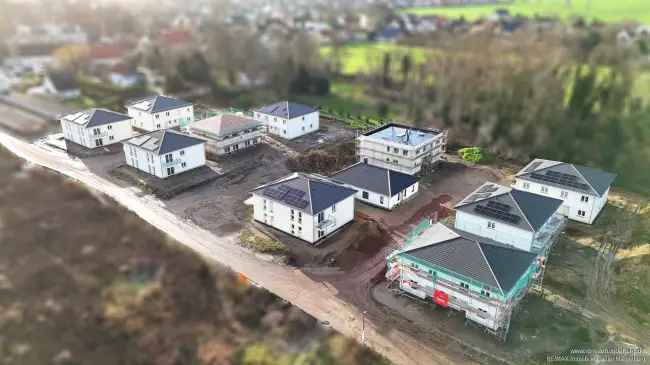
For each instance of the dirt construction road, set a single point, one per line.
(313, 295)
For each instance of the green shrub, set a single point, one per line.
(471, 154)
(261, 244)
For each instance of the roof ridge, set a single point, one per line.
(311, 205)
(460, 204)
(591, 186)
(480, 248)
(521, 210)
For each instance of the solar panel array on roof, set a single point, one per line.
(287, 194)
(560, 178)
(488, 189)
(533, 166)
(499, 206)
(477, 196)
(497, 214)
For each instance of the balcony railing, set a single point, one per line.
(172, 163)
(328, 222)
(549, 233)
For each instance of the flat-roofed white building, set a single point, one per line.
(228, 133)
(378, 186)
(160, 112)
(583, 190)
(402, 148)
(288, 120)
(96, 127)
(305, 206)
(511, 217)
(164, 153)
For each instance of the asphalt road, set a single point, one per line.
(317, 297)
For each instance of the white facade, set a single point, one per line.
(310, 228)
(384, 201)
(577, 206)
(403, 157)
(289, 128)
(494, 230)
(163, 166)
(163, 120)
(92, 137)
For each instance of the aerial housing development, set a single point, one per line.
(402, 148)
(160, 112)
(583, 190)
(96, 127)
(288, 120)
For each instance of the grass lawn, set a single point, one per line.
(363, 58)
(605, 10)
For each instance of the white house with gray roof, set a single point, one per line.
(96, 127)
(583, 190)
(287, 119)
(228, 133)
(378, 186)
(482, 279)
(308, 207)
(164, 153)
(402, 148)
(511, 217)
(160, 112)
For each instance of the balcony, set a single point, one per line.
(330, 221)
(549, 233)
(174, 162)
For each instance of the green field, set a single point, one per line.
(367, 57)
(605, 10)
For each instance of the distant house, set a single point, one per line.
(484, 281)
(378, 186)
(402, 148)
(511, 217)
(160, 112)
(123, 76)
(164, 153)
(96, 127)
(228, 133)
(61, 84)
(288, 120)
(305, 206)
(583, 190)
(108, 54)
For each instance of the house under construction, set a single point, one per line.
(482, 278)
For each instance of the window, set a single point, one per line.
(564, 194)
(334, 208)
(381, 200)
(464, 285)
(157, 116)
(96, 132)
(582, 213)
(167, 114)
(170, 171)
(227, 149)
(485, 293)
(182, 153)
(321, 233)
(526, 185)
(110, 127)
(491, 225)
(321, 217)
(284, 122)
(284, 131)
(110, 138)
(396, 150)
(584, 199)
(303, 118)
(413, 189)
(158, 125)
(183, 164)
(387, 149)
(99, 142)
(544, 189)
(405, 152)
(168, 158)
(364, 195)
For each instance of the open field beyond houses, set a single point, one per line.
(604, 10)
